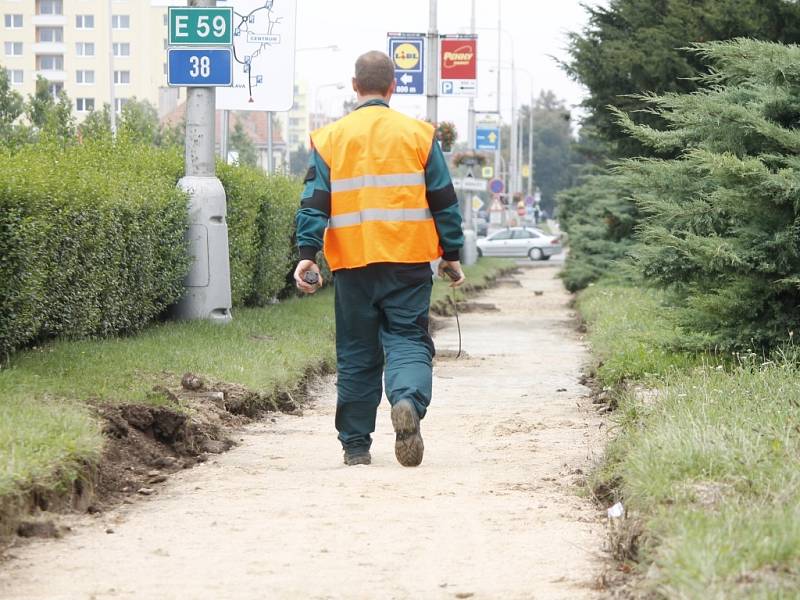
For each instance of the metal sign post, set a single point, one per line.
(208, 285)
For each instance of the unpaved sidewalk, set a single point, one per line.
(491, 513)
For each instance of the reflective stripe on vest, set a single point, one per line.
(379, 214)
(398, 179)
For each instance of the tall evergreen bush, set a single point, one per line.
(721, 223)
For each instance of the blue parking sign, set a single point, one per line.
(408, 54)
(204, 67)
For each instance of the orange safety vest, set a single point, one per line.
(379, 211)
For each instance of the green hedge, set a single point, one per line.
(260, 218)
(91, 239)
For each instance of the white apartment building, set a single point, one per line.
(295, 122)
(71, 42)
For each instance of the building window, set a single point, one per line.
(50, 62)
(166, 20)
(122, 77)
(120, 21)
(55, 88)
(16, 76)
(84, 48)
(13, 48)
(119, 103)
(84, 104)
(122, 49)
(84, 21)
(84, 76)
(13, 21)
(50, 7)
(50, 34)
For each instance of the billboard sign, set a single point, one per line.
(458, 65)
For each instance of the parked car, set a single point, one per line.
(520, 241)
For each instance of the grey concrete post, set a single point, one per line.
(208, 284)
(223, 134)
(469, 255)
(433, 65)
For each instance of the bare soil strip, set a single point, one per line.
(493, 511)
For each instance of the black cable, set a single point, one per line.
(458, 323)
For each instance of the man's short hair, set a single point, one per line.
(374, 73)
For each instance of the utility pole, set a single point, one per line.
(512, 163)
(270, 151)
(223, 143)
(112, 92)
(471, 107)
(433, 65)
(498, 152)
(208, 285)
(530, 145)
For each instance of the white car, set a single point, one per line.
(520, 241)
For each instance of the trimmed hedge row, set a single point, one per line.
(92, 238)
(260, 219)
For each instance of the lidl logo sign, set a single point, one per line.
(407, 56)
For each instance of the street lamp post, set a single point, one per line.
(512, 167)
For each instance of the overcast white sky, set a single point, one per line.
(538, 28)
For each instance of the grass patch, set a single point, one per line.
(708, 464)
(46, 431)
(35, 435)
(711, 468)
(632, 334)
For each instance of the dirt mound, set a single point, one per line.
(144, 444)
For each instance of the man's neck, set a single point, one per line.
(364, 99)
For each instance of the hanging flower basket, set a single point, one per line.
(469, 159)
(447, 134)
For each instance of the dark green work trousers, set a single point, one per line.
(381, 318)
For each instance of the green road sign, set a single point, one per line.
(200, 26)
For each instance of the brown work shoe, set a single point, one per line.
(357, 457)
(408, 446)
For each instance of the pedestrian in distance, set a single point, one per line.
(379, 199)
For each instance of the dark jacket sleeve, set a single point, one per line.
(443, 203)
(315, 207)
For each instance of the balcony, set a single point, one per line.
(49, 48)
(53, 75)
(49, 20)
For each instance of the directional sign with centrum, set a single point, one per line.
(408, 51)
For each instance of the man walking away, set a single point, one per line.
(379, 195)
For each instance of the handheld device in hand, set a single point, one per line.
(311, 277)
(451, 273)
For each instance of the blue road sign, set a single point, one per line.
(204, 67)
(496, 186)
(408, 53)
(487, 138)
